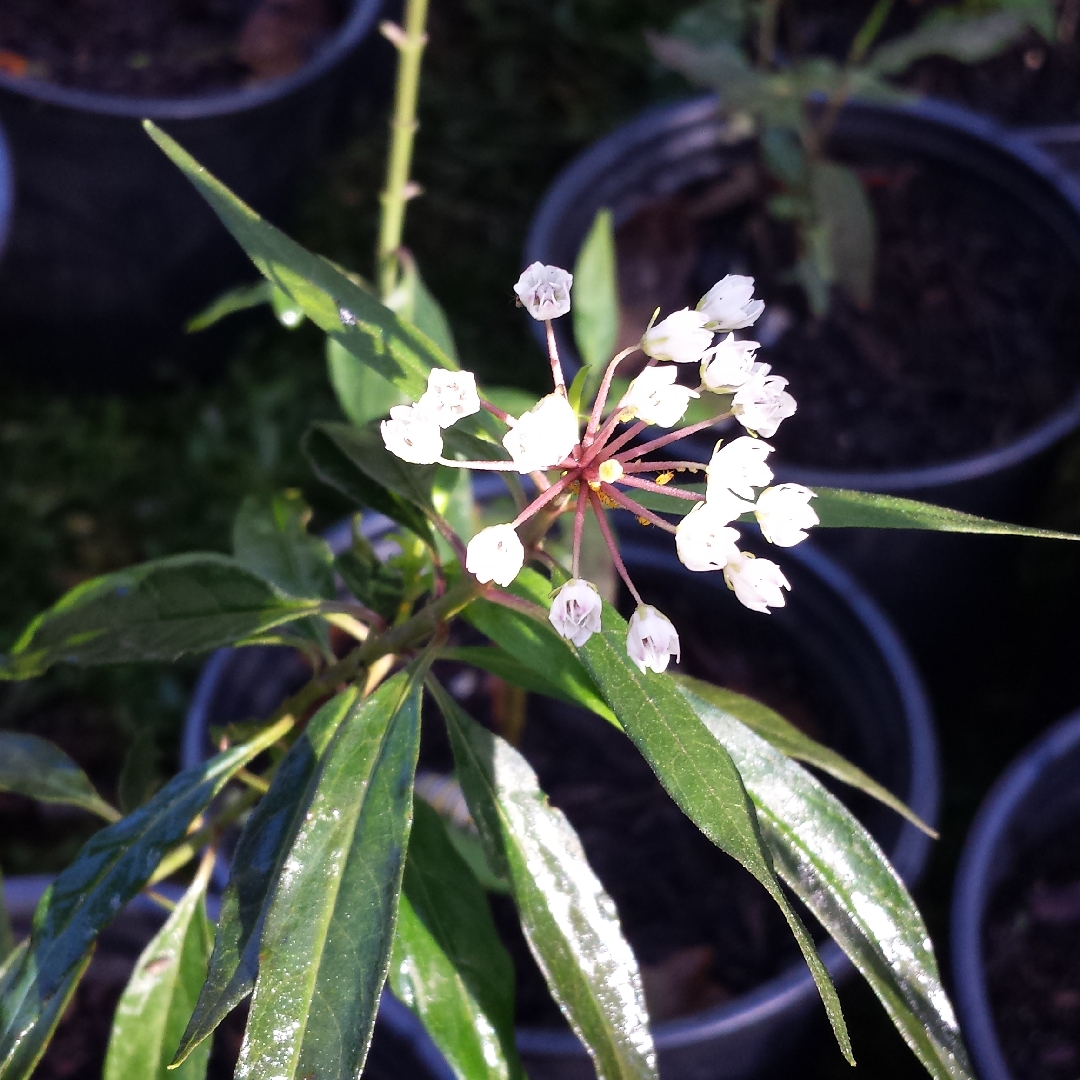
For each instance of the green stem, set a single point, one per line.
(767, 34)
(410, 44)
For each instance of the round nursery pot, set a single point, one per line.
(400, 1048)
(830, 661)
(687, 206)
(1016, 917)
(112, 249)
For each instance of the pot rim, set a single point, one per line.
(794, 987)
(355, 27)
(972, 888)
(659, 120)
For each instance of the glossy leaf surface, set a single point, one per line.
(160, 610)
(256, 865)
(568, 919)
(325, 943)
(157, 1001)
(241, 298)
(448, 964)
(113, 865)
(836, 868)
(39, 770)
(596, 294)
(789, 740)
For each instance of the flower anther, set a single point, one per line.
(544, 291)
(450, 396)
(576, 611)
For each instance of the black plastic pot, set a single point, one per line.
(882, 721)
(111, 248)
(666, 149)
(1038, 796)
(7, 191)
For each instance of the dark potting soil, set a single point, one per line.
(170, 48)
(972, 337)
(1032, 949)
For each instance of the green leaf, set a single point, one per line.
(537, 646)
(568, 919)
(379, 586)
(1039, 14)
(967, 38)
(357, 463)
(112, 867)
(140, 775)
(841, 509)
(698, 774)
(448, 964)
(363, 394)
(413, 301)
(36, 768)
(326, 294)
(158, 999)
(241, 298)
(325, 944)
(596, 293)
(270, 538)
(256, 866)
(834, 866)
(287, 312)
(789, 740)
(844, 211)
(712, 21)
(719, 65)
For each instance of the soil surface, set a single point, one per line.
(971, 340)
(170, 48)
(1032, 948)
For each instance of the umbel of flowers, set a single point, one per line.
(603, 463)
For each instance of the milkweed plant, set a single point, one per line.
(345, 873)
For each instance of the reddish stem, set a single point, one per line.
(601, 397)
(631, 433)
(648, 485)
(615, 495)
(605, 529)
(514, 603)
(494, 410)
(663, 466)
(543, 498)
(671, 436)
(579, 530)
(553, 356)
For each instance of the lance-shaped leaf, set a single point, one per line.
(355, 461)
(968, 38)
(363, 394)
(325, 943)
(448, 964)
(789, 740)
(36, 768)
(414, 302)
(596, 294)
(330, 298)
(160, 610)
(158, 999)
(568, 919)
(843, 210)
(842, 509)
(270, 538)
(256, 865)
(113, 865)
(834, 866)
(698, 774)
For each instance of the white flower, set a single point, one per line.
(413, 434)
(544, 435)
(651, 640)
(656, 398)
(729, 304)
(704, 538)
(495, 554)
(739, 466)
(784, 514)
(544, 291)
(757, 583)
(728, 365)
(681, 337)
(761, 403)
(575, 611)
(450, 395)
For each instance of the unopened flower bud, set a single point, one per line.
(726, 366)
(450, 395)
(495, 554)
(739, 466)
(413, 434)
(651, 640)
(761, 403)
(544, 436)
(729, 304)
(784, 514)
(757, 583)
(704, 538)
(656, 398)
(681, 337)
(575, 611)
(544, 291)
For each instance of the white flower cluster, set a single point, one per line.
(414, 432)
